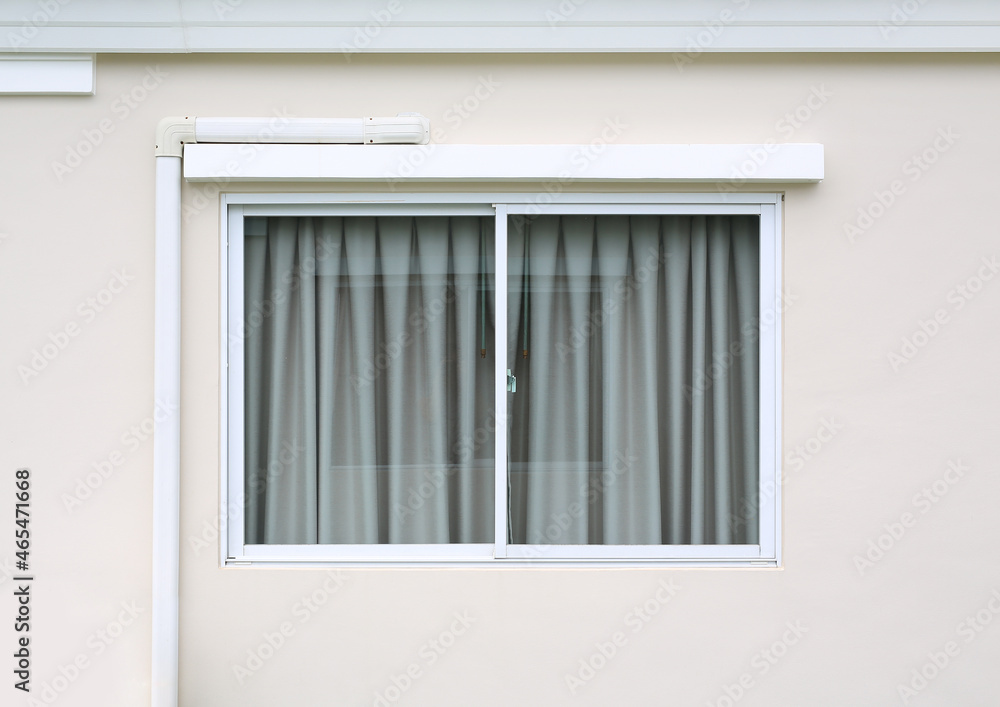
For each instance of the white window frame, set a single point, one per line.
(235, 206)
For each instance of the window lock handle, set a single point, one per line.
(511, 382)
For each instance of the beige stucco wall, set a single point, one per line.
(859, 632)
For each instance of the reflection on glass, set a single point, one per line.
(634, 343)
(369, 409)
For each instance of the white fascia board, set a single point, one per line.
(613, 38)
(47, 74)
(737, 164)
(380, 26)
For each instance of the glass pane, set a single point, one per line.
(369, 380)
(633, 340)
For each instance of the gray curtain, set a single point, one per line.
(369, 408)
(369, 404)
(634, 344)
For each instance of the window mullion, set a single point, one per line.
(500, 357)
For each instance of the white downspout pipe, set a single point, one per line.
(171, 135)
(167, 394)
